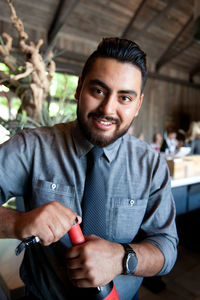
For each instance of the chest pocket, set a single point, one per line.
(126, 216)
(45, 191)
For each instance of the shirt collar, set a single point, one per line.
(110, 151)
(83, 146)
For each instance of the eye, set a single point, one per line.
(97, 91)
(125, 99)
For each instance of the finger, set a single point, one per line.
(92, 237)
(77, 274)
(80, 283)
(50, 232)
(74, 263)
(64, 216)
(46, 236)
(58, 227)
(84, 283)
(79, 219)
(73, 252)
(67, 214)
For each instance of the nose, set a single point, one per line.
(109, 105)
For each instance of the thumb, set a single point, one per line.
(92, 237)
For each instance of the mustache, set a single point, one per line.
(108, 118)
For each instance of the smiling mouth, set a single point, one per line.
(105, 123)
(104, 120)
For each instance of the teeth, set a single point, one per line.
(105, 123)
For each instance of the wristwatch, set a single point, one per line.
(130, 260)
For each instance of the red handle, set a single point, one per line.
(75, 234)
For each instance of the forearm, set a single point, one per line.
(150, 259)
(8, 220)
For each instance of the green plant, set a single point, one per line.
(65, 113)
(59, 107)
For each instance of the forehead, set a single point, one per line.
(115, 73)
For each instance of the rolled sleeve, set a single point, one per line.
(159, 222)
(14, 168)
(168, 249)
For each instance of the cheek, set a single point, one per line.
(129, 113)
(87, 104)
(133, 110)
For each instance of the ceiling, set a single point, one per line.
(72, 28)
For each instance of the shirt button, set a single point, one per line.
(53, 186)
(131, 202)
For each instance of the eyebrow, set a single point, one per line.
(131, 92)
(104, 86)
(100, 83)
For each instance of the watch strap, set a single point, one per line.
(128, 248)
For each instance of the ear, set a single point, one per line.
(78, 89)
(139, 104)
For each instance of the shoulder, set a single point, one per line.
(137, 146)
(46, 132)
(142, 153)
(40, 137)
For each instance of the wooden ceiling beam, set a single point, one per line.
(64, 9)
(130, 24)
(195, 70)
(69, 68)
(70, 62)
(157, 17)
(182, 49)
(173, 80)
(71, 55)
(165, 56)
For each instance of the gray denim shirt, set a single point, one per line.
(49, 163)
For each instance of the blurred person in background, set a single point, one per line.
(193, 138)
(157, 141)
(195, 142)
(169, 142)
(180, 139)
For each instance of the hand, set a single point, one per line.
(49, 222)
(95, 262)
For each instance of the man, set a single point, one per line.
(47, 166)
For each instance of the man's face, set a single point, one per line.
(109, 98)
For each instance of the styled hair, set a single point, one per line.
(122, 50)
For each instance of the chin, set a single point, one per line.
(101, 140)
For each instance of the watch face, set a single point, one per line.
(131, 263)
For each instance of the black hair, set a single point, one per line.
(122, 50)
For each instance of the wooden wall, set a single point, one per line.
(164, 104)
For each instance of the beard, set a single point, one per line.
(96, 138)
